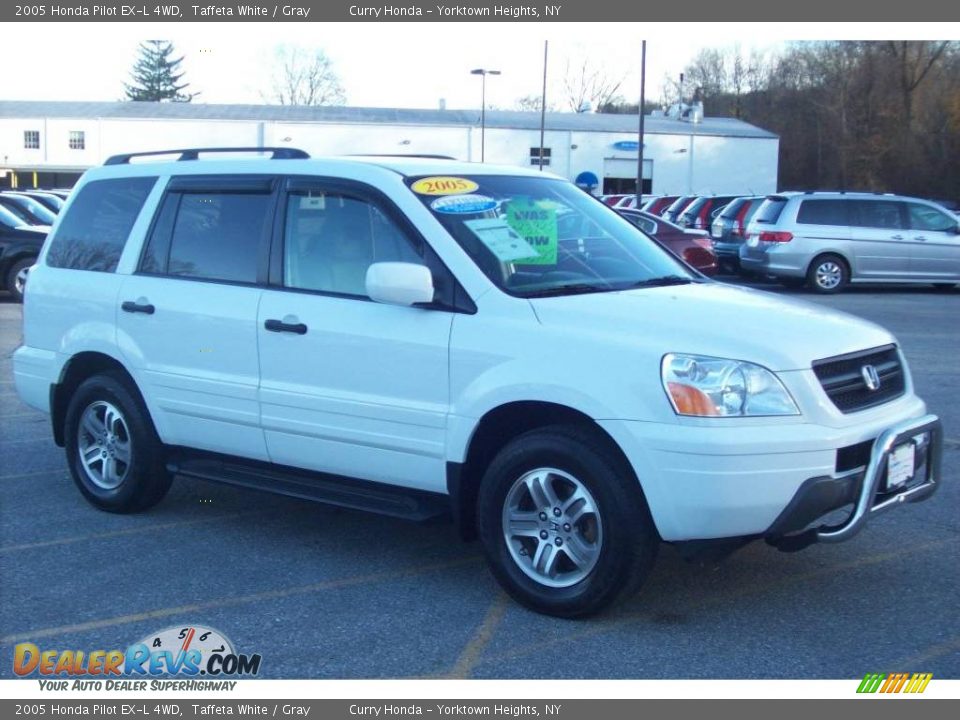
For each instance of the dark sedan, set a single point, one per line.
(729, 228)
(19, 246)
(691, 246)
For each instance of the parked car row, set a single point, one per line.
(25, 220)
(824, 240)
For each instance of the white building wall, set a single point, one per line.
(681, 164)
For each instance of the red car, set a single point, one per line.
(656, 206)
(691, 246)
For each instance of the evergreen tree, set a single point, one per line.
(155, 75)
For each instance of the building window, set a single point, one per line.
(31, 139)
(78, 140)
(535, 156)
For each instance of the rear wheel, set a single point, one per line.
(564, 523)
(828, 274)
(114, 454)
(16, 280)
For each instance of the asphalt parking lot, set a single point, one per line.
(324, 593)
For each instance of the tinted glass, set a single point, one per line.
(769, 211)
(8, 219)
(823, 212)
(92, 234)
(22, 216)
(216, 236)
(694, 207)
(539, 236)
(39, 213)
(924, 217)
(879, 214)
(730, 211)
(331, 239)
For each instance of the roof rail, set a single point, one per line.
(403, 155)
(279, 153)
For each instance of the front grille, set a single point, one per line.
(842, 378)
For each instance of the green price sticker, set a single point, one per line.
(537, 225)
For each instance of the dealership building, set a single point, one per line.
(48, 144)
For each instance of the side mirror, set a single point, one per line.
(398, 283)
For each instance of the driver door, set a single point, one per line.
(350, 386)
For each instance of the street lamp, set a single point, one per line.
(483, 104)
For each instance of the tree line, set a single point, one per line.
(880, 116)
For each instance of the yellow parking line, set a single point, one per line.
(608, 624)
(119, 533)
(236, 600)
(471, 652)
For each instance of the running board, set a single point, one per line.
(398, 502)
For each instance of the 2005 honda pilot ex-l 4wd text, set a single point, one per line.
(418, 336)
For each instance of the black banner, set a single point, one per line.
(483, 11)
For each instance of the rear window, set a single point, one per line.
(770, 211)
(94, 230)
(730, 211)
(823, 212)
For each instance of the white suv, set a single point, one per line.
(417, 336)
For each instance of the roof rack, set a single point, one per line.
(279, 153)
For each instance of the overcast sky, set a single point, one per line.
(386, 64)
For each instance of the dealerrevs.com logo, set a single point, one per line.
(201, 658)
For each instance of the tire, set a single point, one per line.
(17, 277)
(130, 475)
(828, 274)
(614, 536)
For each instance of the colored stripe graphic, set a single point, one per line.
(894, 683)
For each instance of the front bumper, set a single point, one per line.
(710, 482)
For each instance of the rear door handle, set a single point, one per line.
(133, 307)
(921, 238)
(281, 326)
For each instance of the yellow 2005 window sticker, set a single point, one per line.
(443, 186)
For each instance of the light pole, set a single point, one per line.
(483, 105)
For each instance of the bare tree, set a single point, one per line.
(304, 76)
(531, 103)
(586, 87)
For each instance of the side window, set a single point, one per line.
(884, 214)
(331, 238)
(214, 236)
(94, 230)
(924, 217)
(823, 212)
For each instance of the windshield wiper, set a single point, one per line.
(663, 281)
(572, 289)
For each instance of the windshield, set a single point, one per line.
(538, 236)
(31, 210)
(10, 220)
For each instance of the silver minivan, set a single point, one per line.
(830, 239)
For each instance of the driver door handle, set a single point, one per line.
(280, 326)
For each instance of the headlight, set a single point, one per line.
(715, 387)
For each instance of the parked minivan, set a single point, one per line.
(419, 337)
(828, 240)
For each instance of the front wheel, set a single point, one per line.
(564, 523)
(114, 454)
